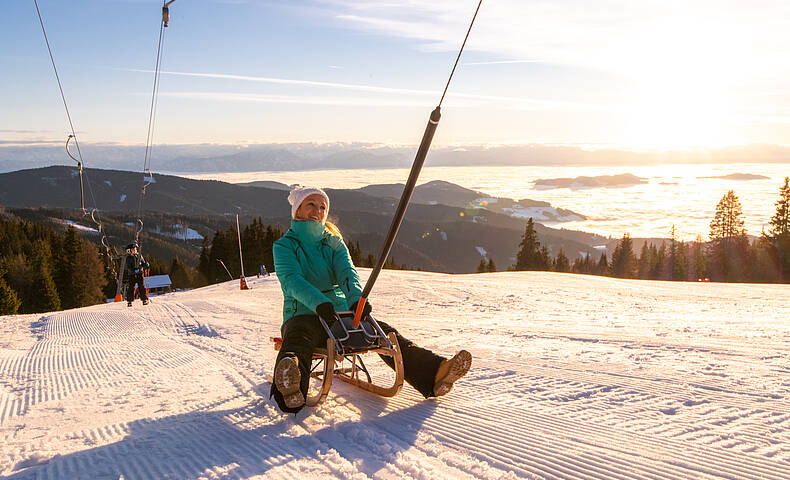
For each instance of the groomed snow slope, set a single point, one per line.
(574, 377)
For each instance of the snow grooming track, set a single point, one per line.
(178, 389)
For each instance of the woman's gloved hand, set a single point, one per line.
(365, 310)
(327, 311)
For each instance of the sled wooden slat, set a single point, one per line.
(349, 374)
(328, 357)
(397, 358)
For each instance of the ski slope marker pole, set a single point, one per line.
(242, 280)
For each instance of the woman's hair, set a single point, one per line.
(332, 228)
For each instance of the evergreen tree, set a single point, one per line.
(491, 266)
(700, 262)
(780, 222)
(272, 235)
(602, 268)
(355, 253)
(89, 279)
(20, 278)
(643, 268)
(204, 270)
(680, 264)
(66, 255)
(79, 276)
(561, 262)
(623, 258)
(728, 220)
(767, 268)
(156, 266)
(660, 271)
(583, 264)
(529, 256)
(729, 245)
(43, 292)
(179, 274)
(677, 257)
(253, 245)
(49, 270)
(482, 267)
(778, 242)
(224, 247)
(9, 301)
(578, 265)
(673, 245)
(653, 263)
(544, 259)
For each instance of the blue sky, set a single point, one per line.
(628, 74)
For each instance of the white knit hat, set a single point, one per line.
(299, 193)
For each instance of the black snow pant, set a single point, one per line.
(304, 333)
(136, 279)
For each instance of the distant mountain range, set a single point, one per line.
(439, 192)
(740, 176)
(447, 228)
(210, 158)
(601, 181)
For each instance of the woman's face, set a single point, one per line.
(314, 208)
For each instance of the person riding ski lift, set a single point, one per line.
(136, 266)
(318, 278)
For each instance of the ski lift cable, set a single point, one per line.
(147, 174)
(460, 51)
(73, 135)
(66, 107)
(419, 159)
(154, 103)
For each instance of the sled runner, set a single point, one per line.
(342, 357)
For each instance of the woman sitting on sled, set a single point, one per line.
(318, 278)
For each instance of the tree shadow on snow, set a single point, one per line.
(242, 442)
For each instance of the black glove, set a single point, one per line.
(365, 310)
(327, 311)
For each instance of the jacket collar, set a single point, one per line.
(307, 230)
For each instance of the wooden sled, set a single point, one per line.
(342, 357)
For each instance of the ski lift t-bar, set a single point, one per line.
(166, 12)
(400, 212)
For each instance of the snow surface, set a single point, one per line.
(173, 231)
(178, 231)
(574, 377)
(79, 227)
(543, 214)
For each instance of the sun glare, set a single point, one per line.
(670, 113)
(684, 87)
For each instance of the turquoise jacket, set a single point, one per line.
(314, 267)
